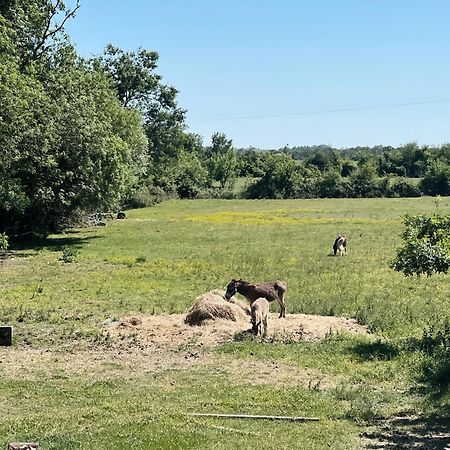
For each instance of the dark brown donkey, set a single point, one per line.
(273, 290)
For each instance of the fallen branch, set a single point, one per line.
(251, 416)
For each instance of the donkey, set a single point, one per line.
(260, 312)
(340, 246)
(273, 290)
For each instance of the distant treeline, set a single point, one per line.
(322, 171)
(89, 135)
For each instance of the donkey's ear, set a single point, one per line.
(233, 281)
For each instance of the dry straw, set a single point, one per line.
(212, 306)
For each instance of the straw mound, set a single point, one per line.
(212, 306)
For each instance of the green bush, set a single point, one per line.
(426, 246)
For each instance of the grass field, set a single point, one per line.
(69, 385)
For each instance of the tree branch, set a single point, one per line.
(48, 33)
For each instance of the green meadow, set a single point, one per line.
(57, 292)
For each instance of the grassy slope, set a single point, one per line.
(158, 260)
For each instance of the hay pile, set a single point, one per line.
(212, 306)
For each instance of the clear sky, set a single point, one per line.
(273, 72)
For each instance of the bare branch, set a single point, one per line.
(49, 32)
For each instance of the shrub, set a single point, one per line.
(426, 246)
(436, 180)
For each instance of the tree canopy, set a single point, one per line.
(66, 141)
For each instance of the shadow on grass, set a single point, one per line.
(244, 336)
(376, 350)
(53, 244)
(431, 433)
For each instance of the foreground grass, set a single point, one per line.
(159, 260)
(149, 413)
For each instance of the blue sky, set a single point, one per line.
(271, 73)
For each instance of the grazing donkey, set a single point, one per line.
(273, 290)
(260, 312)
(340, 246)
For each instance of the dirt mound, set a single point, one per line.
(172, 331)
(213, 306)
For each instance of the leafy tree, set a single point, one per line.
(426, 246)
(138, 86)
(252, 163)
(412, 158)
(364, 181)
(332, 185)
(320, 160)
(436, 180)
(348, 166)
(171, 150)
(66, 142)
(285, 178)
(221, 160)
(191, 177)
(36, 27)
(404, 188)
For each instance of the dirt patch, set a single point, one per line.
(136, 362)
(121, 361)
(171, 331)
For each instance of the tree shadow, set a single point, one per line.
(54, 244)
(430, 433)
(375, 350)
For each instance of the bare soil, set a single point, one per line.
(151, 344)
(171, 331)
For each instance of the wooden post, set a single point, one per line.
(6, 335)
(23, 446)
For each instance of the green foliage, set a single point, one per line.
(366, 172)
(133, 76)
(426, 246)
(67, 142)
(333, 185)
(284, 178)
(436, 180)
(4, 242)
(221, 160)
(405, 188)
(191, 177)
(69, 255)
(364, 181)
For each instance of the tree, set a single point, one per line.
(436, 180)
(171, 150)
(66, 142)
(426, 246)
(364, 181)
(133, 76)
(285, 178)
(222, 160)
(37, 27)
(191, 177)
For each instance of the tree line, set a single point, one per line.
(81, 135)
(322, 171)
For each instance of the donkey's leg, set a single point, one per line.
(265, 326)
(282, 305)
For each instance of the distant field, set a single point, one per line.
(157, 261)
